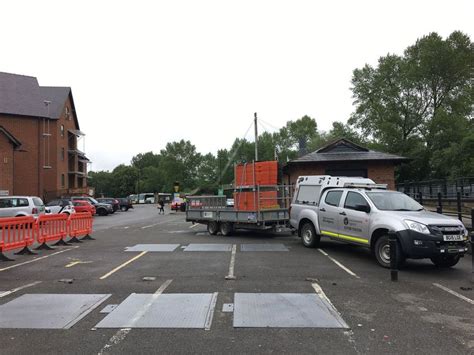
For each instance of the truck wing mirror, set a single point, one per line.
(363, 208)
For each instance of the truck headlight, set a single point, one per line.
(418, 227)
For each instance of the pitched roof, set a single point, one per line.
(20, 95)
(16, 143)
(57, 96)
(345, 150)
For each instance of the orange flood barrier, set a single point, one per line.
(80, 224)
(15, 233)
(52, 227)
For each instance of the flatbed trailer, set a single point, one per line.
(213, 212)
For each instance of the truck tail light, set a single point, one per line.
(34, 210)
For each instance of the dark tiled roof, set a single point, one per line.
(345, 150)
(57, 96)
(20, 95)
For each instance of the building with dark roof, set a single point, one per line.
(39, 132)
(345, 158)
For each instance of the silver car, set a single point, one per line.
(16, 206)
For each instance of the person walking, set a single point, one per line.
(161, 205)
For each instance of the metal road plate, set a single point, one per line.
(48, 311)
(263, 247)
(284, 310)
(169, 310)
(153, 247)
(208, 247)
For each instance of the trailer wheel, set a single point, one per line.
(226, 229)
(213, 228)
(308, 235)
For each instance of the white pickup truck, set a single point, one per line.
(359, 211)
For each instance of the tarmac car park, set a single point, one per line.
(153, 283)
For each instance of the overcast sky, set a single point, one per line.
(144, 73)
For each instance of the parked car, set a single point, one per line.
(60, 206)
(102, 209)
(112, 201)
(84, 206)
(16, 206)
(178, 204)
(125, 203)
(360, 212)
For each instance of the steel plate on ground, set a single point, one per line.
(48, 311)
(263, 247)
(153, 247)
(284, 310)
(169, 310)
(208, 247)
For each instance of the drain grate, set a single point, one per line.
(48, 311)
(185, 310)
(284, 310)
(263, 247)
(153, 247)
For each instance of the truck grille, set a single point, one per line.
(450, 230)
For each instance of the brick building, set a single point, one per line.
(39, 133)
(344, 158)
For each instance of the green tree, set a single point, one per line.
(419, 103)
(179, 162)
(102, 182)
(124, 180)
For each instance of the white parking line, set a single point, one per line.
(123, 265)
(350, 272)
(454, 293)
(231, 275)
(6, 293)
(37, 259)
(194, 225)
(122, 333)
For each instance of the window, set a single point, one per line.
(22, 202)
(308, 194)
(333, 198)
(62, 130)
(38, 202)
(353, 199)
(53, 203)
(62, 153)
(68, 113)
(63, 182)
(6, 202)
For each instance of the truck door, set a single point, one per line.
(329, 213)
(354, 219)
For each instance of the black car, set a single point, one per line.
(102, 209)
(125, 203)
(111, 201)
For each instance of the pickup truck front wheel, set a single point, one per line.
(308, 235)
(382, 252)
(446, 260)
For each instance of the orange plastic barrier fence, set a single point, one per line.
(52, 227)
(17, 232)
(80, 224)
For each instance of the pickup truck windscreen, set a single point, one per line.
(393, 201)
